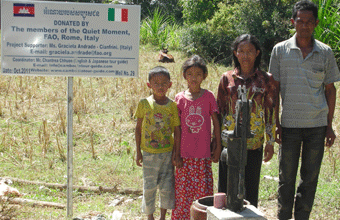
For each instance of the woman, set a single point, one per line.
(261, 90)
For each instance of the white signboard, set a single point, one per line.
(69, 39)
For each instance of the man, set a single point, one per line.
(306, 71)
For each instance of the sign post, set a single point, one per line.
(69, 146)
(69, 39)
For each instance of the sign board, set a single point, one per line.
(69, 39)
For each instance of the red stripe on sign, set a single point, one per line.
(124, 15)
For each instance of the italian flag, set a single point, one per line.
(118, 14)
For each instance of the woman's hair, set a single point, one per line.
(305, 6)
(196, 61)
(159, 70)
(251, 39)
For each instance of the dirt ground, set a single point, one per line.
(269, 209)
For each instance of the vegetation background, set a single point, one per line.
(33, 109)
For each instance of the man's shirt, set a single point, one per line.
(302, 82)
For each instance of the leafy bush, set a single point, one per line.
(268, 20)
(158, 30)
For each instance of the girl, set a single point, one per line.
(261, 89)
(196, 108)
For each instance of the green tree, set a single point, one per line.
(268, 20)
(198, 11)
(213, 46)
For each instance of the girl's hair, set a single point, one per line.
(251, 39)
(159, 70)
(196, 61)
(305, 6)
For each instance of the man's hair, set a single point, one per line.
(195, 61)
(254, 41)
(159, 70)
(305, 6)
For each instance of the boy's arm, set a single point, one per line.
(138, 136)
(178, 162)
(217, 132)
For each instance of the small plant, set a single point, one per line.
(60, 150)
(328, 29)
(153, 27)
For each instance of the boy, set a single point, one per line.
(157, 119)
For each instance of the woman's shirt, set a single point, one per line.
(196, 124)
(262, 91)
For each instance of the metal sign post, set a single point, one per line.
(69, 146)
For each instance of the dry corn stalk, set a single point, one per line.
(45, 137)
(92, 144)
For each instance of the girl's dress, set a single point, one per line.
(194, 180)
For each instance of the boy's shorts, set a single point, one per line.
(158, 171)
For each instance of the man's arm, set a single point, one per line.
(330, 92)
(274, 68)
